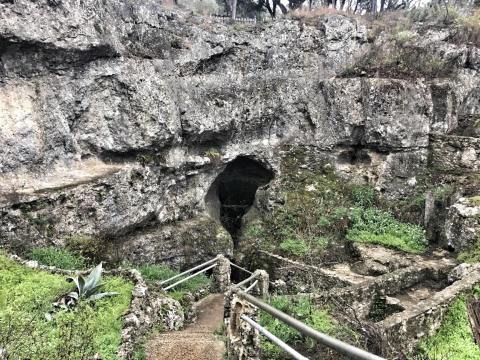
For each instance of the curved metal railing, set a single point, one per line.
(335, 344)
(204, 267)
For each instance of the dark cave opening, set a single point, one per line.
(233, 192)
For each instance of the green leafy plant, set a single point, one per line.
(303, 309)
(380, 227)
(60, 258)
(213, 154)
(295, 247)
(363, 196)
(89, 288)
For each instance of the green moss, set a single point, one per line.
(60, 258)
(27, 294)
(379, 227)
(454, 339)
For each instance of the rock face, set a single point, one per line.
(116, 117)
(463, 224)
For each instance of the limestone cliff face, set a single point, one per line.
(117, 116)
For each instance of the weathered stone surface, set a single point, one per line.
(462, 227)
(423, 319)
(108, 110)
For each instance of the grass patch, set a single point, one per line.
(304, 310)
(400, 59)
(472, 255)
(295, 247)
(454, 339)
(467, 29)
(153, 273)
(60, 258)
(27, 294)
(375, 226)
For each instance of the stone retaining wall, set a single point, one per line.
(423, 319)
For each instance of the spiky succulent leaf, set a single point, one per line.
(102, 295)
(93, 278)
(73, 295)
(79, 282)
(92, 291)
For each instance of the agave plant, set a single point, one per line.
(89, 288)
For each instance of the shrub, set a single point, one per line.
(363, 196)
(468, 29)
(379, 227)
(295, 247)
(60, 258)
(90, 247)
(402, 61)
(302, 309)
(402, 37)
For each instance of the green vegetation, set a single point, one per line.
(304, 310)
(295, 247)
(379, 227)
(400, 59)
(454, 340)
(89, 288)
(474, 200)
(471, 255)
(213, 154)
(90, 247)
(466, 28)
(60, 258)
(153, 273)
(322, 211)
(27, 294)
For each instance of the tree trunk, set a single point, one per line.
(234, 9)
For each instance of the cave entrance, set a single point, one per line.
(232, 193)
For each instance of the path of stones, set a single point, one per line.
(197, 341)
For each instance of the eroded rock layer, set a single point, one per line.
(117, 117)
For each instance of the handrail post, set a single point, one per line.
(263, 283)
(221, 274)
(243, 339)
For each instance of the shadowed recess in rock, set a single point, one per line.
(233, 191)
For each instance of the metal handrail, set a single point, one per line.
(240, 268)
(306, 330)
(292, 352)
(189, 277)
(188, 271)
(246, 281)
(251, 286)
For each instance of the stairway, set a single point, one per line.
(197, 341)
